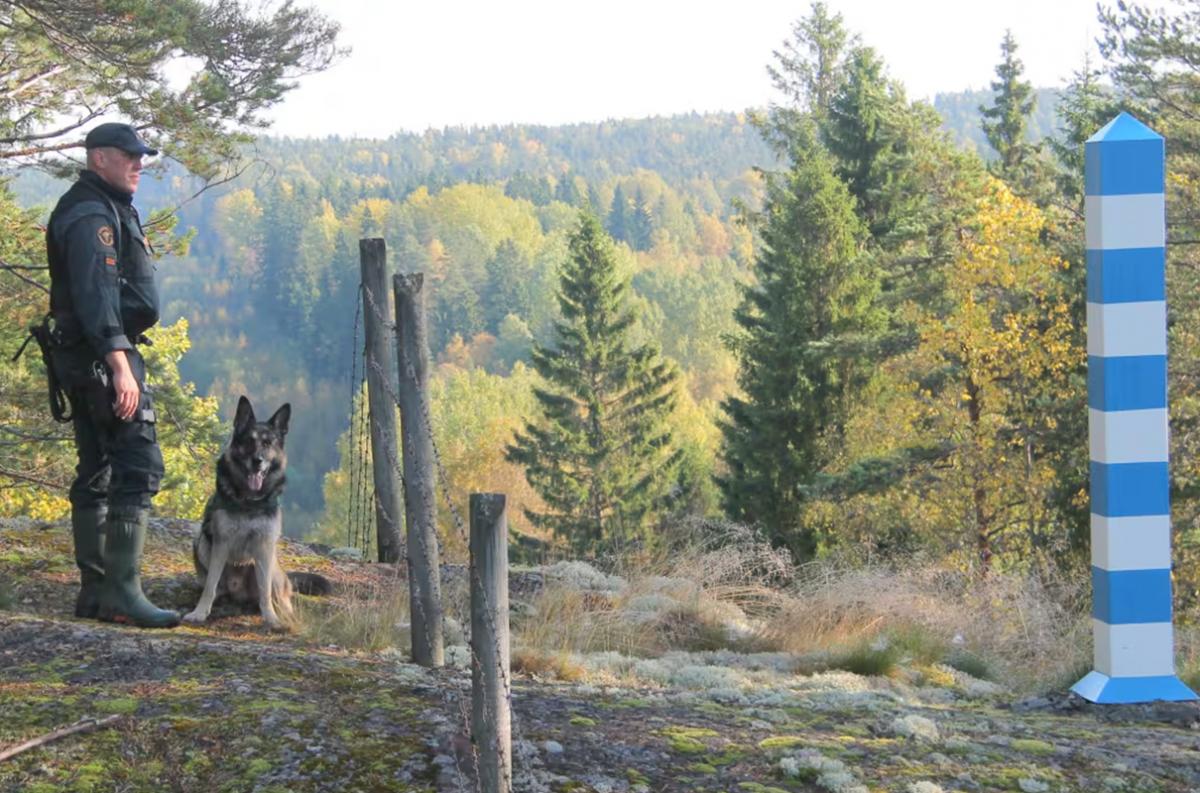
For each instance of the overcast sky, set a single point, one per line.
(416, 65)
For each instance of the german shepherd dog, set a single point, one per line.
(235, 549)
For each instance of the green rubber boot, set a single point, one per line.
(87, 526)
(121, 598)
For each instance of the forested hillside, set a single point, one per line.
(960, 117)
(865, 310)
(269, 285)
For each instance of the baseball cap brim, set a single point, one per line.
(140, 148)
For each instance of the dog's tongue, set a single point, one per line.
(255, 480)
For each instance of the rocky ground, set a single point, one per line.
(231, 707)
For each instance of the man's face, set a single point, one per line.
(119, 168)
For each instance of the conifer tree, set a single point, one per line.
(600, 455)
(1005, 122)
(618, 216)
(809, 289)
(593, 199)
(641, 223)
(69, 63)
(808, 68)
(509, 285)
(861, 130)
(1085, 107)
(567, 191)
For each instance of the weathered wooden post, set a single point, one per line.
(1134, 656)
(377, 311)
(491, 719)
(420, 505)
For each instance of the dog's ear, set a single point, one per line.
(279, 422)
(244, 416)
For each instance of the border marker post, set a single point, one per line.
(1125, 209)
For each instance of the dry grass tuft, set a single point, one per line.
(1028, 631)
(719, 586)
(553, 666)
(722, 587)
(706, 594)
(371, 615)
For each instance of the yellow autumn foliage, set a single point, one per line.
(991, 356)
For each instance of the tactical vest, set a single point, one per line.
(135, 269)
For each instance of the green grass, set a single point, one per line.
(970, 664)
(878, 656)
(867, 660)
(1033, 746)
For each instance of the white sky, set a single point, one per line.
(423, 63)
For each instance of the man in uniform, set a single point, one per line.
(103, 298)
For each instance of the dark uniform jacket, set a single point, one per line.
(103, 298)
(102, 291)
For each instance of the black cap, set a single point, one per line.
(121, 136)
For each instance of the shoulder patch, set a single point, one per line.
(105, 233)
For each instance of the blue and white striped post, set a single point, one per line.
(1134, 657)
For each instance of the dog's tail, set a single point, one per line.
(310, 583)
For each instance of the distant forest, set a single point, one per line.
(269, 285)
(960, 117)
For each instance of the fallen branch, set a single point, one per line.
(86, 725)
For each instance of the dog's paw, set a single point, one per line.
(195, 617)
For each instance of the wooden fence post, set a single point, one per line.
(420, 486)
(377, 313)
(491, 718)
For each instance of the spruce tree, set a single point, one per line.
(509, 285)
(618, 216)
(1085, 107)
(1005, 122)
(808, 289)
(863, 130)
(641, 223)
(567, 191)
(808, 68)
(601, 455)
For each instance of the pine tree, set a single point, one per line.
(601, 455)
(82, 60)
(1005, 122)
(809, 288)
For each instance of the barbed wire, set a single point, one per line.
(505, 753)
(366, 515)
(353, 407)
(354, 450)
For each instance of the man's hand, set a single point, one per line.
(125, 384)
